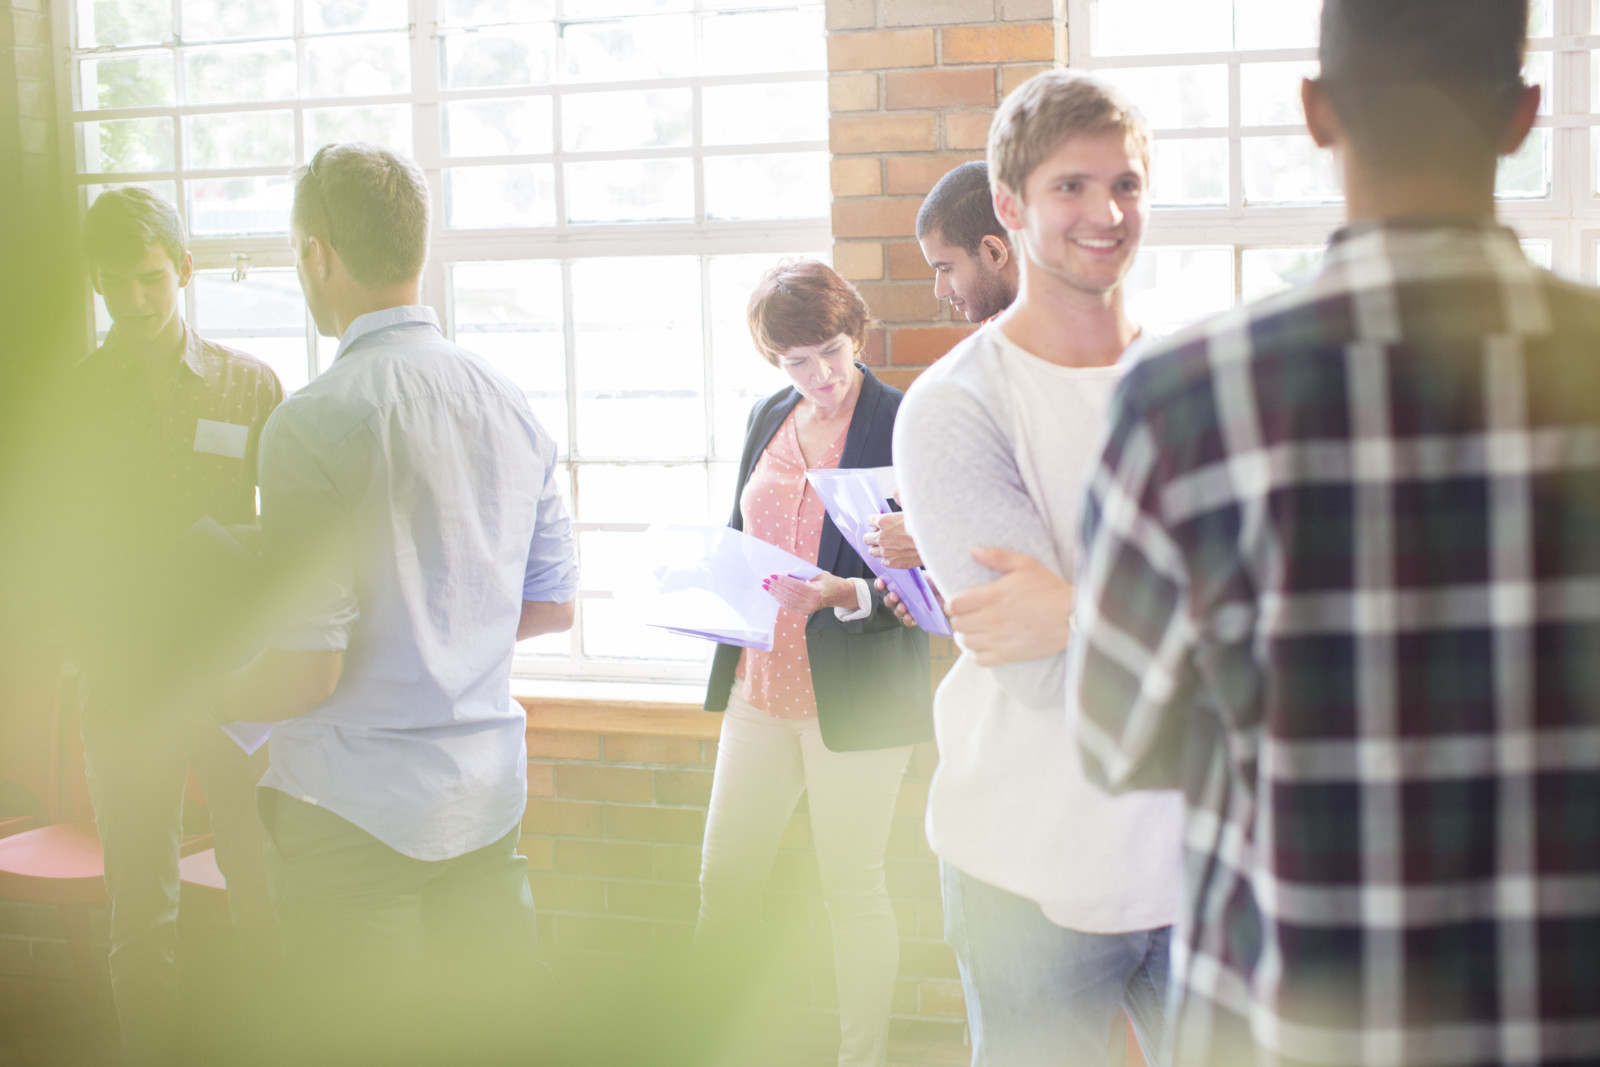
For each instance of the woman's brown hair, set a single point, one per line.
(803, 302)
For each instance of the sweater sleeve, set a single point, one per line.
(961, 489)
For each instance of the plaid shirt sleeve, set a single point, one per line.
(1131, 682)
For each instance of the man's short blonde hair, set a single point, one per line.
(1047, 109)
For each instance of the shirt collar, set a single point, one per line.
(194, 355)
(373, 321)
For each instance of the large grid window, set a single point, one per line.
(1243, 201)
(609, 177)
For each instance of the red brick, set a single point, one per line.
(603, 934)
(899, 377)
(874, 353)
(913, 799)
(874, 50)
(903, 132)
(677, 863)
(568, 817)
(928, 959)
(907, 840)
(858, 260)
(541, 779)
(603, 783)
(903, 302)
(909, 879)
(895, 217)
(920, 347)
(967, 129)
(907, 263)
(557, 892)
(919, 174)
(558, 744)
(631, 748)
(609, 858)
(1011, 77)
(540, 851)
(857, 176)
(683, 787)
(997, 44)
(655, 825)
(853, 92)
(905, 998)
(963, 87)
(653, 900)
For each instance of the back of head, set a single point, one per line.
(122, 223)
(1046, 110)
(802, 303)
(960, 209)
(1424, 84)
(370, 206)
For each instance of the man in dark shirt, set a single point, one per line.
(169, 437)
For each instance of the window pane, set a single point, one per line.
(1170, 288)
(239, 74)
(363, 65)
(129, 145)
(167, 190)
(226, 206)
(126, 81)
(1137, 27)
(1526, 175)
(487, 12)
(1288, 170)
(1539, 251)
(613, 629)
(1536, 71)
(498, 127)
(487, 198)
(629, 49)
(1276, 23)
(1539, 18)
(1189, 173)
(323, 16)
(216, 20)
(601, 122)
(1269, 93)
(1173, 98)
(592, 9)
(633, 190)
(640, 378)
(739, 374)
(641, 493)
(250, 139)
(263, 316)
(1272, 270)
(765, 114)
(793, 185)
(386, 126)
(764, 41)
(514, 55)
(510, 314)
(123, 22)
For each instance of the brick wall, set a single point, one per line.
(912, 86)
(616, 812)
(28, 151)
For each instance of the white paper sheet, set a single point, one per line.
(708, 583)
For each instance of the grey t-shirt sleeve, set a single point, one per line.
(961, 489)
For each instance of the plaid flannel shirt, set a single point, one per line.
(1341, 583)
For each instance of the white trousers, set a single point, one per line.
(763, 765)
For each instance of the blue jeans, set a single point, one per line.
(1038, 993)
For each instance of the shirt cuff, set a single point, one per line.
(863, 602)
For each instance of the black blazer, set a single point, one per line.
(871, 675)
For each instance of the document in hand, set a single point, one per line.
(854, 499)
(708, 583)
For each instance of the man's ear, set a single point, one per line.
(1322, 121)
(186, 270)
(995, 250)
(1522, 119)
(319, 257)
(1007, 207)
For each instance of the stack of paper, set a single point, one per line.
(855, 498)
(708, 583)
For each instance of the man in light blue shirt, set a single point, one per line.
(412, 525)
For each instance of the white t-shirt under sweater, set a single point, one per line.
(991, 447)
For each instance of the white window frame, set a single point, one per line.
(563, 242)
(1568, 218)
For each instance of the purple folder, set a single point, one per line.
(855, 498)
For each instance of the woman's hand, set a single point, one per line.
(902, 612)
(808, 598)
(887, 539)
(1024, 614)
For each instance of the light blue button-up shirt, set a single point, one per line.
(413, 496)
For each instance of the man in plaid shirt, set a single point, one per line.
(1341, 582)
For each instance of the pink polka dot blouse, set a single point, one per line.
(781, 508)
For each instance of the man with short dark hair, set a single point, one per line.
(1339, 580)
(174, 421)
(411, 516)
(965, 244)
